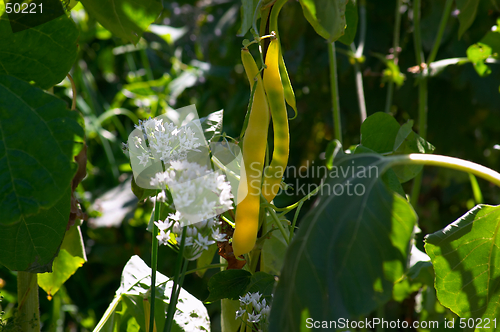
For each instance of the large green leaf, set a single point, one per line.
(32, 243)
(381, 133)
(133, 295)
(43, 54)
(37, 142)
(125, 18)
(71, 256)
(327, 17)
(467, 14)
(349, 250)
(228, 284)
(466, 260)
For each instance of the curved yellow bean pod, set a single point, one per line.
(276, 100)
(254, 151)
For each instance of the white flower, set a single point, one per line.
(265, 311)
(163, 225)
(245, 300)
(225, 198)
(253, 318)
(203, 242)
(143, 160)
(137, 141)
(240, 313)
(255, 297)
(163, 237)
(217, 236)
(161, 196)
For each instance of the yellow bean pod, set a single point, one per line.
(276, 99)
(254, 151)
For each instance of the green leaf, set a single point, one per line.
(63, 267)
(212, 124)
(273, 251)
(32, 243)
(247, 12)
(228, 284)
(468, 11)
(127, 19)
(407, 141)
(140, 192)
(261, 282)
(466, 260)
(37, 137)
(191, 314)
(205, 259)
(477, 53)
(43, 54)
(351, 15)
(379, 131)
(322, 271)
(488, 46)
(327, 17)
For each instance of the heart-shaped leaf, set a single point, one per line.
(355, 218)
(466, 260)
(37, 142)
(43, 54)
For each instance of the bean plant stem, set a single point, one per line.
(422, 84)
(448, 162)
(154, 263)
(395, 52)
(359, 55)
(359, 87)
(442, 25)
(422, 93)
(177, 272)
(28, 311)
(334, 91)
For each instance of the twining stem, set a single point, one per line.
(359, 55)
(334, 91)
(359, 87)
(448, 162)
(154, 263)
(73, 88)
(422, 84)
(177, 273)
(422, 93)
(395, 52)
(442, 25)
(28, 311)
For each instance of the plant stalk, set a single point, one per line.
(442, 25)
(395, 52)
(154, 263)
(448, 162)
(28, 310)
(422, 93)
(334, 91)
(178, 265)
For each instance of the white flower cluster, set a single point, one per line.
(254, 310)
(167, 142)
(192, 184)
(199, 236)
